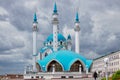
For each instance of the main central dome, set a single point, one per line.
(60, 38)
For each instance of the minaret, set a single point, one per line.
(77, 29)
(35, 29)
(55, 23)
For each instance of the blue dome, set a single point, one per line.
(63, 57)
(60, 38)
(69, 37)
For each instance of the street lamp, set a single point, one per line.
(106, 66)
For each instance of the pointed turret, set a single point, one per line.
(77, 27)
(69, 37)
(35, 18)
(55, 8)
(77, 17)
(35, 23)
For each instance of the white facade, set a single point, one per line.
(113, 64)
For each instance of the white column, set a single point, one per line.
(80, 68)
(77, 41)
(53, 68)
(55, 37)
(106, 74)
(86, 69)
(34, 64)
(25, 70)
(34, 50)
(106, 60)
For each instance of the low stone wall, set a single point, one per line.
(58, 75)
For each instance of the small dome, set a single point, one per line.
(69, 37)
(60, 38)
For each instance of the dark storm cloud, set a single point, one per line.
(86, 24)
(13, 44)
(19, 15)
(11, 67)
(8, 41)
(3, 18)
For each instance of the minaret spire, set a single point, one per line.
(55, 23)
(77, 17)
(77, 29)
(35, 17)
(55, 8)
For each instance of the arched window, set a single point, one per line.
(50, 42)
(58, 67)
(46, 54)
(61, 42)
(75, 66)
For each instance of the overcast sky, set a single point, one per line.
(99, 23)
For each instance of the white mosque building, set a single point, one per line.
(56, 60)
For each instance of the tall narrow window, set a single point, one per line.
(46, 54)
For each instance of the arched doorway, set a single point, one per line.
(58, 67)
(75, 66)
(38, 67)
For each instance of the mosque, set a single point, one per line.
(56, 60)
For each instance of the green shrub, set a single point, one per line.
(116, 75)
(103, 79)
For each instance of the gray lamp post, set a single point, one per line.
(106, 67)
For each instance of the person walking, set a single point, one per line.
(95, 75)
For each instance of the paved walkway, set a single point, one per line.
(77, 79)
(90, 79)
